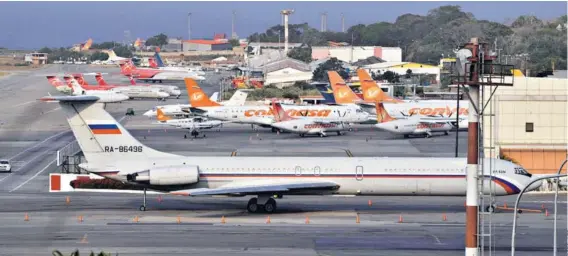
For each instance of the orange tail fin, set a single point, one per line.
(371, 91)
(53, 80)
(68, 79)
(161, 116)
(80, 79)
(382, 114)
(100, 79)
(342, 93)
(197, 98)
(279, 113)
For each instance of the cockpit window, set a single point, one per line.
(521, 171)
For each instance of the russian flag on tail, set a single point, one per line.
(98, 128)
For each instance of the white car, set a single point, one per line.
(5, 166)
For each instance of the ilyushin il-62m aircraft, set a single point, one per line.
(113, 153)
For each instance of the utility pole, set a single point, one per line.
(342, 22)
(233, 32)
(189, 25)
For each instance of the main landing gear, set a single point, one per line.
(269, 205)
(143, 206)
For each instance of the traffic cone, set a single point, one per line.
(546, 212)
(67, 200)
(80, 218)
(505, 205)
(136, 219)
(178, 219)
(84, 240)
(268, 220)
(223, 220)
(370, 203)
(357, 220)
(26, 217)
(400, 219)
(307, 219)
(444, 218)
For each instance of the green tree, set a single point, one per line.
(301, 53)
(234, 42)
(45, 50)
(391, 77)
(408, 73)
(157, 40)
(99, 56)
(333, 64)
(123, 51)
(104, 45)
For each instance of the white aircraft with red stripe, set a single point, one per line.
(113, 153)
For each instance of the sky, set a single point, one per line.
(32, 25)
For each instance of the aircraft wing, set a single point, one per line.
(262, 186)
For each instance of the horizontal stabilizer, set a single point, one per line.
(78, 99)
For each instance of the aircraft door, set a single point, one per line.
(359, 172)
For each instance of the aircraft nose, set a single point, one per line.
(163, 94)
(148, 113)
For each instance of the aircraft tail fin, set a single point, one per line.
(197, 98)
(161, 116)
(87, 45)
(100, 79)
(238, 99)
(131, 79)
(341, 92)
(80, 79)
(382, 114)
(103, 140)
(126, 68)
(53, 80)
(159, 61)
(75, 86)
(326, 92)
(214, 97)
(279, 113)
(371, 90)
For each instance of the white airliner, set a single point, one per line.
(112, 152)
(194, 125)
(373, 94)
(413, 125)
(132, 92)
(309, 126)
(262, 115)
(104, 96)
(238, 99)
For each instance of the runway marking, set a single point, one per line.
(20, 167)
(52, 110)
(437, 239)
(34, 146)
(22, 104)
(31, 178)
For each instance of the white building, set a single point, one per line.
(285, 72)
(402, 67)
(529, 123)
(352, 54)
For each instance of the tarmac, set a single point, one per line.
(32, 131)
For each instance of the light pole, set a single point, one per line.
(514, 233)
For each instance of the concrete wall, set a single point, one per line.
(540, 101)
(196, 47)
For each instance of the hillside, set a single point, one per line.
(527, 41)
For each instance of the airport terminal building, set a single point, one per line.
(529, 124)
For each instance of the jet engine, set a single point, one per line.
(168, 175)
